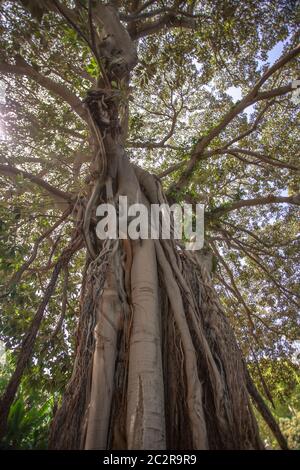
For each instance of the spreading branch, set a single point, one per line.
(252, 97)
(168, 20)
(55, 193)
(260, 157)
(16, 277)
(24, 69)
(265, 412)
(259, 201)
(162, 142)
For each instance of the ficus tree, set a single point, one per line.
(148, 344)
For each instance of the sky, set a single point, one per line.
(234, 92)
(273, 55)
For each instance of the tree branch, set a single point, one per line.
(65, 14)
(161, 143)
(171, 168)
(257, 238)
(265, 412)
(170, 20)
(261, 157)
(234, 289)
(252, 97)
(57, 194)
(253, 127)
(16, 277)
(236, 295)
(271, 199)
(24, 69)
(172, 12)
(288, 293)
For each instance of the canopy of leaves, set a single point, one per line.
(197, 61)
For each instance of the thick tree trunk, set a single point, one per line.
(145, 420)
(157, 365)
(105, 353)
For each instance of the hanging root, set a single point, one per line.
(265, 412)
(87, 219)
(106, 336)
(145, 424)
(68, 427)
(194, 386)
(164, 370)
(230, 421)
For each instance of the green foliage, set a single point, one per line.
(291, 428)
(29, 416)
(28, 425)
(186, 73)
(287, 413)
